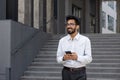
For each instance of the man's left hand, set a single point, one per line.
(74, 56)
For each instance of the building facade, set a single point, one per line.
(108, 17)
(49, 15)
(46, 15)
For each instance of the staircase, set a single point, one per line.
(105, 64)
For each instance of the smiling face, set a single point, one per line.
(71, 26)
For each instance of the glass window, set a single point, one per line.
(111, 4)
(103, 19)
(110, 23)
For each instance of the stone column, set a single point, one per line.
(68, 4)
(61, 17)
(49, 16)
(36, 14)
(68, 10)
(98, 10)
(118, 16)
(28, 20)
(44, 15)
(21, 11)
(87, 16)
(41, 14)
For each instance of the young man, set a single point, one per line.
(74, 51)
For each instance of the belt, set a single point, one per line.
(74, 69)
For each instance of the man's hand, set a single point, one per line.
(72, 56)
(67, 57)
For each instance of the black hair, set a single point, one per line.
(77, 20)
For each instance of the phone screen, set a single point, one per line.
(68, 52)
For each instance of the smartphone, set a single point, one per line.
(68, 52)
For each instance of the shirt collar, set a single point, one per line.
(75, 38)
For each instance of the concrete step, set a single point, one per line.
(104, 69)
(102, 57)
(106, 60)
(89, 69)
(46, 68)
(102, 49)
(100, 63)
(92, 42)
(103, 75)
(100, 54)
(111, 36)
(93, 46)
(106, 52)
(93, 52)
(105, 64)
(40, 78)
(58, 78)
(45, 64)
(90, 65)
(57, 74)
(102, 79)
(94, 56)
(106, 46)
(42, 73)
(94, 60)
(92, 39)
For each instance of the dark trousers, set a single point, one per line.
(77, 74)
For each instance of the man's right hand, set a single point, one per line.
(67, 57)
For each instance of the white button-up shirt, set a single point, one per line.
(80, 44)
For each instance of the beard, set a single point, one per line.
(71, 31)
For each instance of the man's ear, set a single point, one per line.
(78, 27)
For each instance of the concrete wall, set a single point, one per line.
(4, 48)
(2, 9)
(18, 46)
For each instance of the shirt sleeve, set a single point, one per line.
(87, 57)
(60, 53)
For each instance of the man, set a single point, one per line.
(74, 51)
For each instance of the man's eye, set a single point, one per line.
(70, 24)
